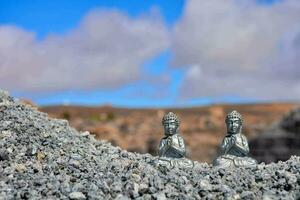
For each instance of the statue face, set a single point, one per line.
(170, 127)
(234, 125)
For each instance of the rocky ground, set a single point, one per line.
(43, 158)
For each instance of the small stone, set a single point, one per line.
(5, 134)
(73, 179)
(85, 133)
(46, 135)
(76, 156)
(40, 156)
(143, 188)
(4, 155)
(268, 197)
(136, 178)
(9, 150)
(221, 172)
(61, 152)
(160, 196)
(247, 195)
(31, 151)
(236, 197)
(135, 192)
(121, 197)
(77, 195)
(74, 163)
(205, 185)
(36, 168)
(20, 168)
(117, 186)
(147, 197)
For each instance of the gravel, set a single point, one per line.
(44, 158)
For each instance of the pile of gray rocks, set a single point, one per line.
(44, 158)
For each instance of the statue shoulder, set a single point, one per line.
(178, 137)
(244, 138)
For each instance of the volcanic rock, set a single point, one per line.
(69, 165)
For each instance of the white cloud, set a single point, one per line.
(105, 51)
(240, 48)
(228, 47)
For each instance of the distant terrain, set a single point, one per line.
(140, 130)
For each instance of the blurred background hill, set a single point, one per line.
(203, 128)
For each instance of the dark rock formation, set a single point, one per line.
(280, 141)
(291, 122)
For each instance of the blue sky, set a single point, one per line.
(168, 75)
(60, 16)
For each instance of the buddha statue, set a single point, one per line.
(172, 148)
(234, 149)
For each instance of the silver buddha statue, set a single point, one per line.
(172, 148)
(234, 149)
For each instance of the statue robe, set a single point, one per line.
(172, 152)
(234, 152)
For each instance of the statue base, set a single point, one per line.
(174, 162)
(229, 160)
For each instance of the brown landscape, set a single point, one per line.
(140, 130)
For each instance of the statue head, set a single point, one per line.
(171, 123)
(234, 122)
